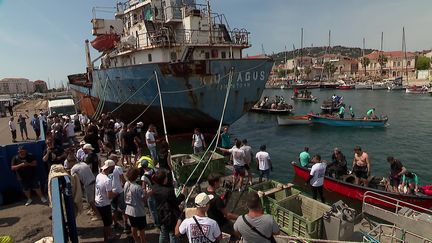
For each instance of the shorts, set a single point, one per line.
(264, 173)
(239, 170)
(360, 171)
(105, 213)
(198, 150)
(138, 222)
(395, 182)
(89, 191)
(118, 203)
(27, 185)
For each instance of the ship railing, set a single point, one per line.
(391, 233)
(390, 202)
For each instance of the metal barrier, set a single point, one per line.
(390, 233)
(63, 214)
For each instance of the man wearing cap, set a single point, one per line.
(147, 184)
(92, 159)
(150, 137)
(262, 223)
(200, 228)
(87, 180)
(24, 164)
(80, 154)
(104, 195)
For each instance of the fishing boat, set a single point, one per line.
(305, 99)
(330, 106)
(293, 120)
(287, 109)
(348, 122)
(329, 85)
(188, 49)
(417, 89)
(347, 188)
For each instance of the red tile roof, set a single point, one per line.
(390, 54)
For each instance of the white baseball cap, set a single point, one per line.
(88, 146)
(202, 199)
(108, 163)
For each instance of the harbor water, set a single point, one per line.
(407, 138)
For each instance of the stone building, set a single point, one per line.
(16, 86)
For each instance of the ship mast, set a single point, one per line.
(405, 52)
(209, 22)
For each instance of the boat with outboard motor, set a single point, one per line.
(348, 122)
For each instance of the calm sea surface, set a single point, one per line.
(408, 137)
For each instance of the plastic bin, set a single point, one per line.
(301, 216)
(184, 164)
(269, 201)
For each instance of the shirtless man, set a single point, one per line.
(361, 166)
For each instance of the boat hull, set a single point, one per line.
(304, 99)
(357, 192)
(345, 87)
(193, 93)
(272, 111)
(332, 121)
(293, 120)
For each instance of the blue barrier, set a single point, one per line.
(63, 215)
(8, 180)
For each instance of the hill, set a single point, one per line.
(353, 52)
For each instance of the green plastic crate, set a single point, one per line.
(184, 164)
(299, 215)
(269, 201)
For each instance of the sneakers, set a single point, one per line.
(29, 201)
(44, 200)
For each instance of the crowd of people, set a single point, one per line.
(121, 173)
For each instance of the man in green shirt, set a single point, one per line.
(351, 112)
(341, 112)
(304, 157)
(371, 114)
(225, 139)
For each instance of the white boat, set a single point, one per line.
(363, 86)
(379, 86)
(417, 89)
(293, 120)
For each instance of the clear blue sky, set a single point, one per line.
(45, 38)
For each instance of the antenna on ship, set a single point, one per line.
(262, 49)
(209, 22)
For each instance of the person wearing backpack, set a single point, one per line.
(255, 226)
(200, 228)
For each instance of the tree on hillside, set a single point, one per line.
(422, 63)
(382, 60)
(365, 62)
(329, 68)
(282, 73)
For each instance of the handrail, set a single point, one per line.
(63, 216)
(391, 201)
(380, 231)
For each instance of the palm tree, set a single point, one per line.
(382, 60)
(330, 68)
(365, 62)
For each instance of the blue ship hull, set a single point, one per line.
(193, 93)
(348, 122)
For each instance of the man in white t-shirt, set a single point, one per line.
(248, 159)
(118, 203)
(12, 128)
(70, 131)
(198, 142)
(238, 156)
(264, 164)
(103, 196)
(316, 178)
(151, 141)
(199, 228)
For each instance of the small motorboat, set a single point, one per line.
(305, 99)
(330, 106)
(379, 86)
(363, 86)
(346, 187)
(293, 120)
(287, 109)
(346, 87)
(348, 122)
(416, 89)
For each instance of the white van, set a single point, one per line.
(62, 107)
